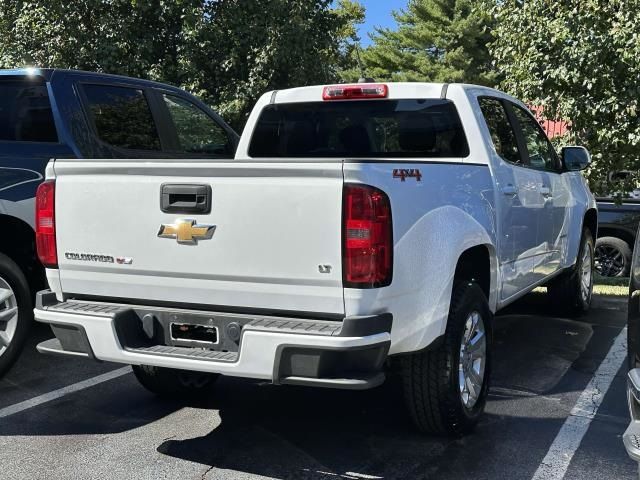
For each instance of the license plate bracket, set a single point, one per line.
(146, 327)
(205, 334)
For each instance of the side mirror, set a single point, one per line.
(575, 159)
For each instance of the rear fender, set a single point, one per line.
(425, 260)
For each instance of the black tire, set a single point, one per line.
(431, 378)
(172, 383)
(565, 292)
(612, 257)
(13, 276)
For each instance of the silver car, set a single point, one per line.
(631, 437)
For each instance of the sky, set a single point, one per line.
(378, 15)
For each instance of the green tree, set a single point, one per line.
(435, 41)
(139, 38)
(579, 60)
(227, 51)
(263, 45)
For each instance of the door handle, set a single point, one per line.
(510, 190)
(185, 198)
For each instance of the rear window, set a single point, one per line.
(25, 112)
(428, 128)
(122, 117)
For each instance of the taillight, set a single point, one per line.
(354, 92)
(367, 251)
(46, 224)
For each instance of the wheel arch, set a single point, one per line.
(574, 237)
(20, 246)
(590, 221)
(617, 232)
(480, 264)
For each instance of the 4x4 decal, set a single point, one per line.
(404, 173)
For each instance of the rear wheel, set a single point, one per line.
(446, 387)
(612, 257)
(16, 312)
(173, 383)
(572, 291)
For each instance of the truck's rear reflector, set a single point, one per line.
(46, 224)
(367, 251)
(355, 92)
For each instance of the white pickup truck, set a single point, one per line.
(359, 226)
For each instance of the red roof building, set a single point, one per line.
(553, 128)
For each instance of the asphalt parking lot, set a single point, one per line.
(100, 427)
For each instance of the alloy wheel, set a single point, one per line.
(473, 357)
(609, 261)
(8, 315)
(586, 274)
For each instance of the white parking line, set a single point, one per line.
(76, 387)
(556, 462)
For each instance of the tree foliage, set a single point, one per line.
(228, 51)
(269, 44)
(579, 60)
(435, 41)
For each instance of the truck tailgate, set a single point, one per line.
(276, 244)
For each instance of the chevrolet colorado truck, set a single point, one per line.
(360, 229)
(48, 113)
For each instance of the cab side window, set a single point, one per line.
(25, 112)
(197, 132)
(542, 155)
(122, 117)
(502, 134)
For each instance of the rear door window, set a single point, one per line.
(421, 128)
(197, 132)
(25, 112)
(122, 117)
(502, 134)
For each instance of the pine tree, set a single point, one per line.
(435, 41)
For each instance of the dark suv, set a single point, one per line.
(48, 114)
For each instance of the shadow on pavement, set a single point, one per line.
(315, 428)
(296, 432)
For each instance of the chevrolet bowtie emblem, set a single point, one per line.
(186, 231)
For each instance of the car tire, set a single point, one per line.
(572, 291)
(15, 296)
(173, 383)
(612, 257)
(436, 393)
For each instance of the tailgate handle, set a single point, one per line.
(185, 198)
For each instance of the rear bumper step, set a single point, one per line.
(338, 354)
(184, 352)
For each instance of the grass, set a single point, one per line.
(611, 290)
(605, 286)
(611, 286)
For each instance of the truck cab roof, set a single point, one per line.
(59, 75)
(395, 91)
